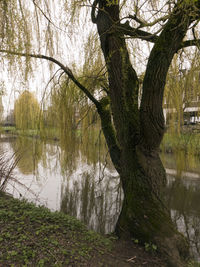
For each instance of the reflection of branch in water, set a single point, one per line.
(176, 217)
(22, 185)
(102, 174)
(196, 238)
(94, 203)
(6, 168)
(186, 226)
(191, 229)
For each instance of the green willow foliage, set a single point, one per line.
(27, 111)
(72, 118)
(15, 33)
(182, 91)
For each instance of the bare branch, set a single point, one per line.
(43, 13)
(144, 23)
(46, 17)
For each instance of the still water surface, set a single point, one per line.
(83, 183)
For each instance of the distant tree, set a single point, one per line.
(26, 111)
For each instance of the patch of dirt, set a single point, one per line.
(126, 253)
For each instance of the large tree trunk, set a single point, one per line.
(144, 215)
(133, 135)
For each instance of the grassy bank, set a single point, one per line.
(31, 236)
(34, 236)
(188, 142)
(51, 133)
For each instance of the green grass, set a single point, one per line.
(50, 133)
(8, 129)
(34, 236)
(187, 142)
(193, 264)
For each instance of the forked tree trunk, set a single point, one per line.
(134, 134)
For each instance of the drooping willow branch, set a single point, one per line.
(64, 68)
(104, 113)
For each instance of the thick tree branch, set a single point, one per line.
(64, 68)
(109, 132)
(93, 16)
(126, 29)
(166, 45)
(188, 43)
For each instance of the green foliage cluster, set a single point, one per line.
(193, 264)
(72, 119)
(27, 111)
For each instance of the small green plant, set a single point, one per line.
(193, 264)
(150, 247)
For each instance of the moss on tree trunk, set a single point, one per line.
(137, 130)
(144, 215)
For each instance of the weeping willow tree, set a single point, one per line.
(133, 130)
(182, 92)
(27, 111)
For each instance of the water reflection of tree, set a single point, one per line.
(30, 152)
(96, 204)
(77, 125)
(87, 145)
(181, 161)
(183, 200)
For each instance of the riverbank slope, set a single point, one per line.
(34, 236)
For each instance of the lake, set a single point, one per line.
(81, 181)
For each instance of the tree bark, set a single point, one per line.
(137, 133)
